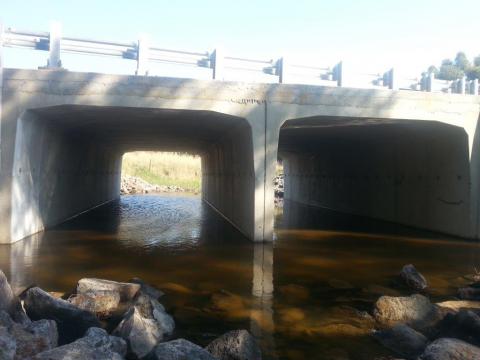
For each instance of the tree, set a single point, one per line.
(461, 61)
(476, 61)
(450, 72)
(473, 73)
(433, 69)
(447, 62)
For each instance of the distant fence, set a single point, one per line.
(281, 70)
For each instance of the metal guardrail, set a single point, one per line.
(144, 54)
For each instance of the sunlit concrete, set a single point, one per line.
(63, 134)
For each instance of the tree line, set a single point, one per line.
(457, 68)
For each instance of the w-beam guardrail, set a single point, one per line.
(145, 54)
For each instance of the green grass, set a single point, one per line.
(160, 168)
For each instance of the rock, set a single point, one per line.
(147, 289)
(464, 325)
(32, 338)
(46, 329)
(180, 349)
(415, 310)
(72, 322)
(8, 345)
(126, 291)
(103, 303)
(141, 334)
(151, 309)
(9, 302)
(402, 340)
(413, 278)
(95, 345)
(450, 349)
(235, 345)
(457, 305)
(469, 293)
(145, 325)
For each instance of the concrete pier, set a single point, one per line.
(406, 157)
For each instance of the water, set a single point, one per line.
(304, 297)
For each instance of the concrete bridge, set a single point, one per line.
(406, 157)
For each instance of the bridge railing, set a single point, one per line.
(220, 64)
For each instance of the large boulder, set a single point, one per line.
(180, 349)
(235, 345)
(103, 303)
(9, 302)
(126, 291)
(402, 340)
(415, 310)
(147, 289)
(29, 339)
(95, 345)
(469, 293)
(8, 345)
(144, 326)
(72, 322)
(413, 278)
(464, 325)
(450, 349)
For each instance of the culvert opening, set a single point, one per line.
(153, 172)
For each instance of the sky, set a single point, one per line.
(372, 35)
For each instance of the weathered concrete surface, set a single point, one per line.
(63, 134)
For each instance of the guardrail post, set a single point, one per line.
(281, 70)
(338, 74)
(392, 84)
(474, 87)
(461, 84)
(430, 79)
(217, 64)
(55, 40)
(143, 55)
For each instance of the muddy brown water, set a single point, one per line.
(306, 296)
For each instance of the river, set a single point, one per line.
(306, 296)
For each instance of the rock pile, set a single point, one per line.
(50, 328)
(414, 328)
(131, 185)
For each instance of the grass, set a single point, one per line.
(163, 168)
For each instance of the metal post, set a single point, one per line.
(217, 64)
(281, 70)
(392, 84)
(462, 85)
(55, 39)
(474, 87)
(430, 80)
(143, 55)
(338, 73)
(423, 82)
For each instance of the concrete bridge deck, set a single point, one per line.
(406, 157)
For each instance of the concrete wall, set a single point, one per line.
(228, 178)
(56, 176)
(415, 174)
(124, 113)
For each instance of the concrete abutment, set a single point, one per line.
(405, 157)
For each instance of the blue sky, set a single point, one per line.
(370, 34)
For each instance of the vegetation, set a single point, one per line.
(461, 66)
(162, 168)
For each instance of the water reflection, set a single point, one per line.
(262, 324)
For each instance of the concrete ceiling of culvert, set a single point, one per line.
(306, 134)
(129, 129)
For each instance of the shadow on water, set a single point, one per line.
(307, 295)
